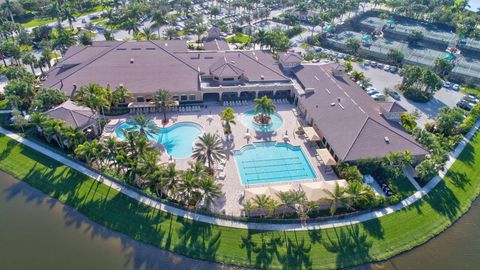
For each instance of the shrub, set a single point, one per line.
(416, 95)
(470, 120)
(349, 172)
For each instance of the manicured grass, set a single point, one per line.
(330, 248)
(40, 21)
(239, 38)
(467, 90)
(404, 187)
(4, 105)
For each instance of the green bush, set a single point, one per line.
(470, 120)
(415, 94)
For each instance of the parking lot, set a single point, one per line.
(381, 79)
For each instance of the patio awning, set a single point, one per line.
(311, 134)
(316, 191)
(274, 190)
(326, 157)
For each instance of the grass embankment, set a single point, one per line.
(330, 248)
(467, 90)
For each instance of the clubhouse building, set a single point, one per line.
(349, 123)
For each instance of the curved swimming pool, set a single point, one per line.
(247, 120)
(177, 139)
(271, 162)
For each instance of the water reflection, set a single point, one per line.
(38, 232)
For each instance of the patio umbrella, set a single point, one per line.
(367, 38)
(390, 22)
(329, 28)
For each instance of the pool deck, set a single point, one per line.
(230, 203)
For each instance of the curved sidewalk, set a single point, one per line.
(239, 224)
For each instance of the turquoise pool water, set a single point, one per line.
(177, 139)
(247, 120)
(272, 162)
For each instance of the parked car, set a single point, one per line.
(456, 87)
(367, 63)
(393, 69)
(378, 97)
(373, 64)
(84, 20)
(471, 99)
(380, 65)
(386, 68)
(447, 84)
(465, 105)
(394, 95)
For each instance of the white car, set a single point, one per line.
(373, 64)
(447, 84)
(367, 63)
(378, 96)
(386, 68)
(456, 87)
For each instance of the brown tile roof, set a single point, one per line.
(223, 68)
(392, 107)
(216, 45)
(73, 115)
(146, 66)
(348, 118)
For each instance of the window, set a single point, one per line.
(215, 78)
(228, 79)
(183, 98)
(192, 97)
(140, 99)
(175, 98)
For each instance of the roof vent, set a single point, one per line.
(387, 140)
(131, 61)
(339, 99)
(262, 77)
(120, 85)
(166, 44)
(332, 104)
(233, 62)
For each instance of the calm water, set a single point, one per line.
(269, 162)
(247, 120)
(37, 232)
(177, 139)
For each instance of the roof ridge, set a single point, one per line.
(174, 56)
(91, 60)
(356, 137)
(81, 49)
(243, 52)
(73, 117)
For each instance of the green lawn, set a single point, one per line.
(4, 105)
(239, 38)
(330, 248)
(40, 21)
(470, 90)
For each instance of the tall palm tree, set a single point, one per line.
(228, 118)
(93, 96)
(171, 33)
(121, 94)
(264, 107)
(158, 20)
(335, 198)
(263, 202)
(208, 149)
(355, 193)
(89, 151)
(187, 188)
(74, 137)
(148, 34)
(164, 100)
(209, 191)
(144, 125)
(36, 119)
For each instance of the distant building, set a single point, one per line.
(75, 116)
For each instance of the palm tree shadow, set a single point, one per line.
(350, 245)
(198, 240)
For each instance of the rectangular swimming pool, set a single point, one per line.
(272, 162)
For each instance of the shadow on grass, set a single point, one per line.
(197, 240)
(350, 245)
(444, 201)
(374, 228)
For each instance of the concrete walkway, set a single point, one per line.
(247, 225)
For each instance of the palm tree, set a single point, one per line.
(148, 34)
(263, 202)
(144, 125)
(64, 39)
(199, 30)
(36, 119)
(89, 151)
(248, 207)
(130, 25)
(265, 107)
(93, 96)
(335, 198)
(209, 191)
(198, 169)
(208, 149)
(68, 13)
(171, 32)
(228, 118)
(158, 19)
(29, 59)
(187, 188)
(121, 94)
(74, 137)
(164, 100)
(355, 193)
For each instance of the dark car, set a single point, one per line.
(465, 105)
(394, 95)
